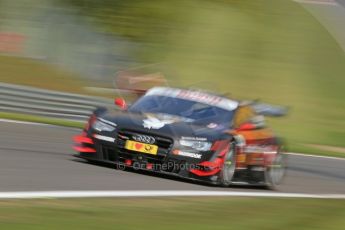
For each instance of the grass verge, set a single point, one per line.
(173, 213)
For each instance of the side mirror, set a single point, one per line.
(121, 103)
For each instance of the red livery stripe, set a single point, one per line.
(84, 149)
(83, 139)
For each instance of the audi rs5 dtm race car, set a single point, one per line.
(190, 134)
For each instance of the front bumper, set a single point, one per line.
(97, 150)
(207, 171)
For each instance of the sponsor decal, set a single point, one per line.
(187, 154)
(197, 96)
(212, 125)
(104, 138)
(194, 138)
(141, 147)
(155, 123)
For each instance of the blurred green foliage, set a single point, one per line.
(142, 21)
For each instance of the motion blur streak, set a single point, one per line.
(288, 53)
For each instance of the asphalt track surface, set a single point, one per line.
(39, 158)
(341, 2)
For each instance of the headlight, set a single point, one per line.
(101, 126)
(197, 145)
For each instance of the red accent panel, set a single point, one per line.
(84, 149)
(120, 102)
(149, 166)
(215, 167)
(204, 173)
(212, 164)
(82, 139)
(128, 162)
(246, 126)
(224, 151)
(218, 145)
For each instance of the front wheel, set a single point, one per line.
(229, 165)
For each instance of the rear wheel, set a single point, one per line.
(275, 173)
(229, 166)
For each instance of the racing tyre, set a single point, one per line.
(275, 173)
(229, 166)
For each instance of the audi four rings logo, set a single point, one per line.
(144, 139)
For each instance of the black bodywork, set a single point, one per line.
(109, 144)
(167, 139)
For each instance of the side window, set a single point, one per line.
(243, 114)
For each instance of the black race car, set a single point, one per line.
(187, 133)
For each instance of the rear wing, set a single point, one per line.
(269, 110)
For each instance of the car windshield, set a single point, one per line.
(182, 108)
